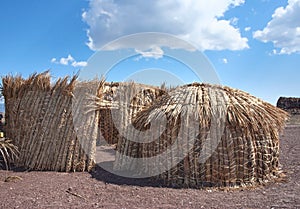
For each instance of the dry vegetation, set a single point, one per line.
(246, 154)
(8, 152)
(56, 128)
(39, 121)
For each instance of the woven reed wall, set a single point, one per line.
(39, 120)
(247, 152)
(119, 104)
(56, 126)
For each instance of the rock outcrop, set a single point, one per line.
(289, 104)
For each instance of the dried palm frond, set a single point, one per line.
(9, 152)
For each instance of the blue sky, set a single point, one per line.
(253, 45)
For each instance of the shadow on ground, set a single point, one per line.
(101, 174)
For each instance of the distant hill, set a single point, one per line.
(289, 104)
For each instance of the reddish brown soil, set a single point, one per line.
(103, 190)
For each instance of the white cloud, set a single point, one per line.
(199, 22)
(234, 21)
(274, 52)
(224, 60)
(155, 52)
(79, 64)
(69, 60)
(247, 29)
(284, 29)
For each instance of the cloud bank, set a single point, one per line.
(199, 22)
(284, 29)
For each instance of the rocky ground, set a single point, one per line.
(99, 189)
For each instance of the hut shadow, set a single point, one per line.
(13, 168)
(107, 177)
(100, 174)
(103, 170)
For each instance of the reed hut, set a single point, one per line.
(39, 121)
(118, 103)
(204, 135)
(56, 126)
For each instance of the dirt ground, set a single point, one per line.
(99, 189)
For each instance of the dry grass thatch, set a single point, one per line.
(119, 103)
(203, 135)
(39, 120)
(8, 151)
(56, 126)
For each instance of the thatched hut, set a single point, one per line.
(204, 135)
(118, 103)
(39, 121)
(56, 126)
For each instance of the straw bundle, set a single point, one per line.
(39, 120)
(204, 135)
(119, 103)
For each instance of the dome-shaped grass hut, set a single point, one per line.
(204, 135)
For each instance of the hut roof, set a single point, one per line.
(242, 109)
